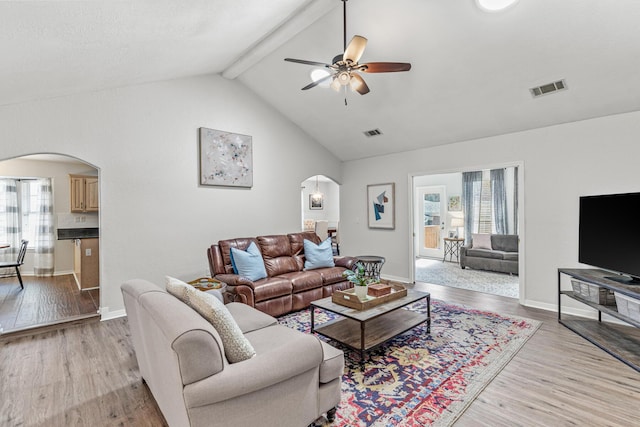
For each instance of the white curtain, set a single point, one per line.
(43, 263)
(471, 184)
(9, 223)
(499, 201)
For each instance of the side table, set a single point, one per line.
(452, 248)
(205, 284)
(372, 265)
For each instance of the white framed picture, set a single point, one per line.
(381, 205)
(226, 159)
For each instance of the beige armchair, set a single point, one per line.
(292, 380)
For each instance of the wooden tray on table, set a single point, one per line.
(348, 297)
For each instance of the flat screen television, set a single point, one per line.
(610, 235)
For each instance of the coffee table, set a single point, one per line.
(363, 330)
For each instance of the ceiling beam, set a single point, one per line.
(297, 22)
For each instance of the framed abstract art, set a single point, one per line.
(381, 206)
(226, 159)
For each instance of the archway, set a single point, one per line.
(320, 201)
(59, 293)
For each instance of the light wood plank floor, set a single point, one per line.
(87, 376)
(44, 301)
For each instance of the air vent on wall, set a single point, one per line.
(372, 132)
(548, 88)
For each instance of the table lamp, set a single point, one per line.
(457, 223)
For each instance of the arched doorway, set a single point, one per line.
(320, 201)
(55, 290)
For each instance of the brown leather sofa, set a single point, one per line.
(287, 287)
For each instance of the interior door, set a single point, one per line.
(430, 222)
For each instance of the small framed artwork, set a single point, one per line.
(316, 201)
(381, 202)
(454, 203)
(226, 159)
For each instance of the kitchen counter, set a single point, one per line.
(78, 233)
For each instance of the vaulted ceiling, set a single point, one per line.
(471, 72)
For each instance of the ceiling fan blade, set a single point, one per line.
(302, 61)
(384, 67)
(317, 82)
(354, 50)
(358, 84)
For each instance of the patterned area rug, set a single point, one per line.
(418, 378)
(450, 274)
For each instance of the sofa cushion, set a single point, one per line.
(485, 253)
(510, 256)
(481, 241)
(332, 365)
(332, 275)
(318, 256)
(236, 347)
(225, 250)
(303, 280)
(297, 241)
(505, 242)
(248, 318)
(248, 263)
(271, 287)
(277, 255)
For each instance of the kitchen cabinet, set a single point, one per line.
(84, 193)
(86, 266)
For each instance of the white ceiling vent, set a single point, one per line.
(548, 88)
(372, 132)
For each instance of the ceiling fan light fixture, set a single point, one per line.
(344, 78)
(345, 67)
(335, 84)
(319, 74)
(495, 5)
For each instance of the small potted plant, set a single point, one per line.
(360, 281)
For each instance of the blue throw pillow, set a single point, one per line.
(318, 256)
(248, 263)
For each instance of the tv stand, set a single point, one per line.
(622, 342)
(626, 280)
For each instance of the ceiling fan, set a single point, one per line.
(345, 69)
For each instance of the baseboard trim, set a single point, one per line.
(573, 311)
(105, 314)
(395, 278)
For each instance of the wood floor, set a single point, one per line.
(87, 375)
(43, 301)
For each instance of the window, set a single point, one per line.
(21, 196)
(485, 220)
(29, 196)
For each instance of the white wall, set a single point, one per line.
(155, 219)
(59, 174)
(560, 164)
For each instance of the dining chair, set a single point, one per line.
(309, 224)
(19, 261)
(322, 229)
(335, 239)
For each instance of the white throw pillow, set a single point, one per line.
(236, 347)
(481, 241)
(177, 288)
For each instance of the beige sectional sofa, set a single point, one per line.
(292, 380)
